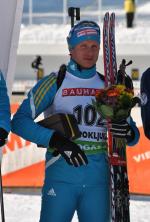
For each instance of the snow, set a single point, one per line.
(26, 208)
(145, 8)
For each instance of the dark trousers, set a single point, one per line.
(129, 19)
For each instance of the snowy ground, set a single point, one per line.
(26, 208)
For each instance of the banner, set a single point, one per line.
(138, 158)
(23, 161)
(11, 15)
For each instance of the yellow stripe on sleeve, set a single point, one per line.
(38, 94)
(42, 93)
(42, 85)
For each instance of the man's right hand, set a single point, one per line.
(2, 142)
(70, 151)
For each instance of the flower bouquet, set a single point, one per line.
(114, 104)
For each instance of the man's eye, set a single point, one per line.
(94, 47)
(83, 47)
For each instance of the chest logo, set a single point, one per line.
(79, 92)
(144, 99)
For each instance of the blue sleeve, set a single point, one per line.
(4, 105)
(38, 100)
(136, 132)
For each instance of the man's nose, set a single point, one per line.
(89, 50)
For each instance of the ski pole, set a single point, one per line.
(1, 190)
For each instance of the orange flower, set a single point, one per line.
(99, 93)
(113, 92)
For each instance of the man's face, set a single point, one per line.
(86, 53)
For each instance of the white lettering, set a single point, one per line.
(65, 92)
(86, 92)
(147, 154)
(137, 158)
(142, 157)
(79, 92)
(72, 92)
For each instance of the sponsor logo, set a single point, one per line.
(79, 92)
(51, 192)
(87, 147)
(68, 153)
(94, 135)
(86, 32)
(142, 157)
(144, 99)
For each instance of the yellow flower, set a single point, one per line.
(120, 87)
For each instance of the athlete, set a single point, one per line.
(145, 101)
(77, 178)
(4, 112)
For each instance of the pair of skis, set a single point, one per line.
(117, 157)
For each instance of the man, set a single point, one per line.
(129, 6)
(4, 112)
(78, 178)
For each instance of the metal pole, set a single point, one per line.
(1, 198)
(100, 11)
(64, 12)
(30, 12)
(1, 190)
(136, 13)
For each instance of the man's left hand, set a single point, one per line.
(3, 136)
(120, 129)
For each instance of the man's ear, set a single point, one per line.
(70, 52)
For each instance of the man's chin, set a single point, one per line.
(87, 66)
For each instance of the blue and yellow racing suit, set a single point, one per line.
(66, 188)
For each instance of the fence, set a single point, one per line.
(49, 11)
(56, 11)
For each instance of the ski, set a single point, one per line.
(117, 157)
(106, 50)
(112, 49)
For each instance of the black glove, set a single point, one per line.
(70, 151)
(120, 129)
(3, 137)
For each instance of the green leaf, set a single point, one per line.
(106, 111)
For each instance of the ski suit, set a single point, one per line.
(67, 188)
(4, 105)
(145, 101)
